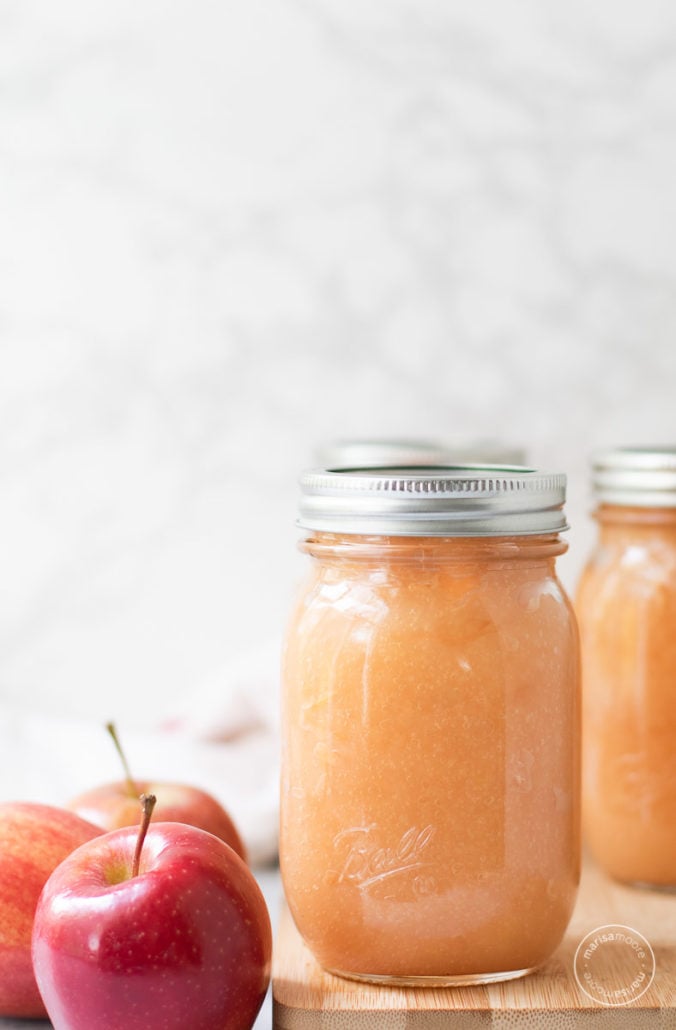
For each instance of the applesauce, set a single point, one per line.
(627, 610)
(429, 810)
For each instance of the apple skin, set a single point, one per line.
(113, 805)
(185, 943)
(34, 839)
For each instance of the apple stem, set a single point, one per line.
(131, 784)
(148, 803)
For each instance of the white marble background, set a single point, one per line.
(231, 232)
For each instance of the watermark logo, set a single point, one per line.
(614, 965)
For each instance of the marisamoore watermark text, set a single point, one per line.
(614, 965)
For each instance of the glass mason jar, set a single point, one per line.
(430, 784)
(627, 610)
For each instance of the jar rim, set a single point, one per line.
(438, 500)
(642, 477)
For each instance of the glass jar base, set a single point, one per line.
(658, 888)
(462, 980)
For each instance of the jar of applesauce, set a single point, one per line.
(429, 809)
(627, 609)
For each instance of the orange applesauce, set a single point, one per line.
(627, 609)
(429, 827)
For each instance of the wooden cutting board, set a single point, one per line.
(305, 997)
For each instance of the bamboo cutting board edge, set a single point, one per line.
(305, 997)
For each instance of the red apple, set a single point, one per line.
(173, 936)
(114, 805)
(33, 840)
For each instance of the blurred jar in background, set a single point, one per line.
(627, 614)
(430, 745)
(375, 453)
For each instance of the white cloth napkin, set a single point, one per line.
(225, 739)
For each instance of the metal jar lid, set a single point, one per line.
(463, 500)
(643, 477)
(376, 453)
